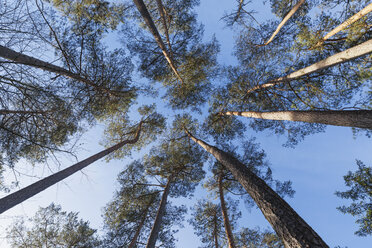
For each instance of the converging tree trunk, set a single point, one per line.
(164, 20)
(226, 221)
(35, 188)
(138, 231)
(286, 18)
(289, 226)
(151, 25)
(37, 63)
(215, 231)
(346, 118)
(159, 215)
(338, 58)
(346, 23)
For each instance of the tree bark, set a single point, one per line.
(226, 221)
(162, 14)
(138, 231)
(37, 63)
(338, 58)
(345, 118)
(159, 216)
(286, 18)
(151, 25)
(348, 22)
(19, 196)
(289, 226)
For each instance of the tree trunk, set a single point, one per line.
(289, 226)
(138, 231)
(215, 231)
(346, 118)
(164, 20)
(19, 196)
(286, 18)
(37, 63)
(151, 25)
(338, 58)
(159, 216)
(348, 22)
(226, 221)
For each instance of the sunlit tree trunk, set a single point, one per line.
(338, 58)
(226, 221)
(164, 20)
(346, 118)
(159, 216)
(289, 226)
(348, 22)
(37, 63)
(286, 18)
(151, 25)
(35, 188)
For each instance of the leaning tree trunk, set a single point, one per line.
(138, 231)
(166, 30)
(37, 63)
(226, 221)
(159, 216)
(151, 25)
(346, 118)
(346, 23)
(286, 18)
(288, 225)
(20, 196)
(338, 58)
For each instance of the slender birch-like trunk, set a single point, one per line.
(138, 231)
(346, 23)
(286, 18)
(338, 58)
(288, 225)
(345, 118)
(37, 63)
(226, 221)
(159, 215)
(21, 195)
(151, 25)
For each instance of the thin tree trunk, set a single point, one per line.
(226, 221)
(338, 58)
(164, 20)
(20, 196)
(215, 231)
(346, 118)
(286, 18)
(348, 22)
(138, 231)
(37, 63)
(289, 226)
(151, 25)
(159, 216)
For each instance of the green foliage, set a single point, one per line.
(119, 128)
(207, 221)
(52, 228)
(360, 192)
(255, 238)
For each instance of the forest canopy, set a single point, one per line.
(184, 121)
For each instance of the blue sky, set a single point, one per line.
(316, 167)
